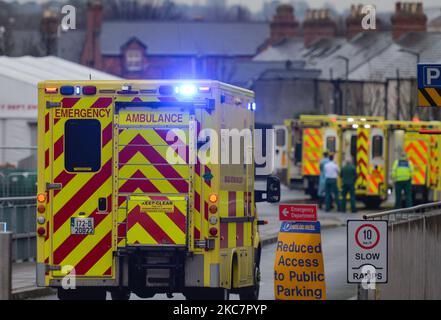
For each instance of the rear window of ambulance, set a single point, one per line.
(82, 139)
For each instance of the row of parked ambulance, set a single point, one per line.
(373, 144)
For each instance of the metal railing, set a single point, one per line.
(414, 249)
(19, 215)
(18, 184)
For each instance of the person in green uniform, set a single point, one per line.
(348, 177)
(402, 171)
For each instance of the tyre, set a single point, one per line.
(81, 294)
(208, 294)
(252, 293)
(420, 195)
(120, 294)
(373, 203)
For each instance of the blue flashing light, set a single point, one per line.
(67, 90)
(252, 106)
(77, 90)
(186, 90)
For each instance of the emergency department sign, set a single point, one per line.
(298, 212)
(367, 251)
(429, 85)
(298, 267)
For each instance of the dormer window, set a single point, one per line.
(133, 60)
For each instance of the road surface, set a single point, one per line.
(334, 250)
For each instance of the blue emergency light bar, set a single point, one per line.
(67, 90)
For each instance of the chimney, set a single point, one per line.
(284, 24)
(318, 25)
(353, 22)
(49, 32)
(408, 17)
(91, 55)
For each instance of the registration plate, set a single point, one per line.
(82, 226)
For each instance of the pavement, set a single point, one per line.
(24, 283)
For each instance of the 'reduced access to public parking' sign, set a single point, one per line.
(298, 267)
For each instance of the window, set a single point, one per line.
(134, 60)
(377, 146)
(82, 139)
(280, 137)
(331, 144)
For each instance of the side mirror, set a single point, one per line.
(272, 191)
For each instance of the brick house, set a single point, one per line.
(172, 49)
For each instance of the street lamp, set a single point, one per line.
(346, 60)
(414, 53)
(2, 41)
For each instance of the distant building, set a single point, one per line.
(172, 49)
(434, 25)
(370, 72)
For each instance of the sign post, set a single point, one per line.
(298, 267)
(367, 262)
(429, 85)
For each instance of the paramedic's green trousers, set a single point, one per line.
(331, 189)
(405, 186)
(351, 190)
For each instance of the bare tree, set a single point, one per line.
(239, 13)
(6, 22)
(141, 10)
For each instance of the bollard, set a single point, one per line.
(5, 265)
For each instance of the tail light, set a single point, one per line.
(213, 232)
(41, 231)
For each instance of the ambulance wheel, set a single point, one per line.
(252, 293)
(120, 294)
(82, 294)
(208, 294)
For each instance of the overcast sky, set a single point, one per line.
(382, 5)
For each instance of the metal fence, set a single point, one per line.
(414, 253)
(18, 183)
(19, 215)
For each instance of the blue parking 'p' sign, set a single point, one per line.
(429, 85)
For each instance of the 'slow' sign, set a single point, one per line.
(367, 251)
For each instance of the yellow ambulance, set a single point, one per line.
(127, 204)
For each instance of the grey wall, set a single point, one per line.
(282, 99)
